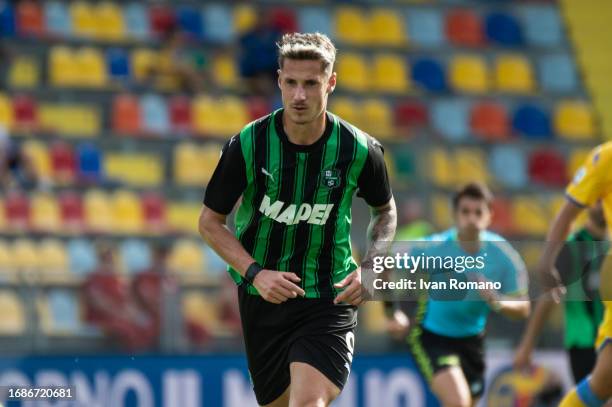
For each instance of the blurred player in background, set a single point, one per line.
(592, 182)
(447, 341)
(579, 264)
(299, 287)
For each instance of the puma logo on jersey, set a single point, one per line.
(267, 174)
(316, 214)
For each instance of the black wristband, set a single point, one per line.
(252, 271)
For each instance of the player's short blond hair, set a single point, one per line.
(307, 46)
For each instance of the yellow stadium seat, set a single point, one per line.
(390, 74)
(13, 321)
(375, 319)
(470, 165)
(183, 217)
(25, 256)
(127, 212)
(142, 61)
(233, 116)
(54, 260)
(110, 25)
(224, 71)
(144, 169)
(574, 120)
(8, 272)
(353, 72)
(187, 261)
(63, 67)
(386, 28)
(469, 74)
(70, 120)
(576, 160)
(351, 26)
(208, 156)
(205, 115)
(530, 216)
(83, 19)
(378, 119)
(441, 168)
(186, 158)
(24, 72)
(346, 108)
(45, 212)
(245, 18)
(197, 308)
(92, 68)
(513, 74)
(441, 210)
(98, 211)
(6, 112)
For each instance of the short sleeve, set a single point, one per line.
(228, 181)
(589, 181)
(373, 182)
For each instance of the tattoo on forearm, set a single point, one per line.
(381, 231)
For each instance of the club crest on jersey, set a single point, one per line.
(330, 178)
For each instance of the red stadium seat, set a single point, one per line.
(63, 163)
(180, 114)
(71, 211)
(410, 114)
(162, 20)
(17, 211)
(464, 28)
(502, 216)
(258, 107)
(154, 212)
(490, 120)
(126, 114)
(284, 20)
(30, 19)
(548, 168)
(24, 112)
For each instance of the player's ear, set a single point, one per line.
(331, 84)
(278, 79)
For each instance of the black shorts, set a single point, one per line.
(582, 361)
(433, 353)
(313, 331)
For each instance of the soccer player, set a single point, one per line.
(447, 341)
(592, 182)
(579, 263)
(297, 170)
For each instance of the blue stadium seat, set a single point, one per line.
(429, 74)
(83, 257)
(312, 19)
(451, 118)
(218, 23)
(557, 73)
(215, 266)
(189, 21)
(503, 29)
(509, 166)
(542, 26)
(7, 20)
(136, 255)
(532, 121)
(136, 17)
(154, 114)
(118, 63)
(57, 18)
(90, 162)
(425, 28)
(64, 311)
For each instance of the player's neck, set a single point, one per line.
(304, 134)
(468, 241)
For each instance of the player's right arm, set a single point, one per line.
(225, 187)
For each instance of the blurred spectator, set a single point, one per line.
(258, 56)
(411, 225)
(109, 306)
(16, 167)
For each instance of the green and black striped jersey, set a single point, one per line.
(295, 212)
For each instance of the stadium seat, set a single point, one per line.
(258, 107)
(574, 121)
(245, 18)
(576, 160)
(450, 118)
(179, 108)
(127, 212)
(225, 71)
(543, 26)
(378, 119)
(186, 158)
(64, 313)
(154, 114)
(547, 167)
(98, 211)
(209, 156)
(441, 169)
(7, 20)
(25, 114)
(89, 163)
(233, 115)
(464, 28)
(8, 273)
(82, 257)
(283, 19)
(24, 72)
(513, 74)
(45, 214)
(137, 23)
(440, 209)
(198, 308)
(351, 26)
(489, 120)
(503, 29)
(315, 19)
(386, 28)
(137, 169)
(83, 19)
(110, 25)
(508, 165)
(161, 19)
(54, 260)
(189, 20)
(153, 212)
(471, 165)
(126, 114)
(186, 260)
(57, 19)
(346, 107)
(135, 255)
(405, 162)
(218, 24)
(63, 68)
(13, 321)
(17, 210)
(502, 216)
(429, 75)
(25, 256)
(353, 70)
(469, 74)
(557, 73)
(38, 153)
(72, 212)
(204, 113)
(30, 18)
(409, 115)
(142, 62)
(6, 112)
(425, 28)
(92, 67)
(182, 217)
(390, 74)
(63, 163)
(531, 121)
(118, 64)
(529, 216)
